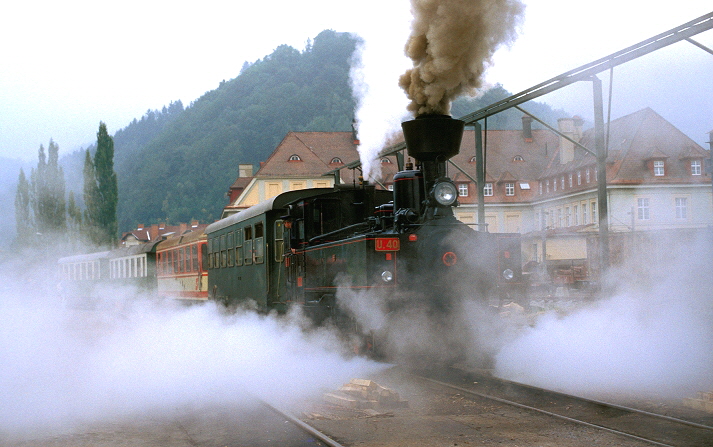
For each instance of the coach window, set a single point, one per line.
(248, 245)
(239, 246)
(194, 257)
(259, 243)
(279, 241)
(209, 253)
(223, 252)
(216, 252)
(205, 259)
(231, 249)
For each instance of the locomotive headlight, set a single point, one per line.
(387, 276)
(508, 274)
(445, 193)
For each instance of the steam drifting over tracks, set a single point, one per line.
(632, 423)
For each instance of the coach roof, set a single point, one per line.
(277, 202)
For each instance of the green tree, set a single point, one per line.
(101, 193)
(74, 221)
(47, 190)
(23, 217)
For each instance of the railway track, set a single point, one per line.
(320, 439)
(632, 423)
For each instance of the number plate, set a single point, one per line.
(387, 244)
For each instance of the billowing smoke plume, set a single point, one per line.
(451, 45)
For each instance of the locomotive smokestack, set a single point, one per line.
(433, 140)
(433, 137)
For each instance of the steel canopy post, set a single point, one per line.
(480, 176)
(601, 150)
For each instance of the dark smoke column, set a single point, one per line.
(451, 44)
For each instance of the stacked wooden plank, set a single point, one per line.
(362, 394)
(703, 402)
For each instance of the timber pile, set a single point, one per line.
(703, 402)
(362, 394)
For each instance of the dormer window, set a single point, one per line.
(295, 157)
(695, 167)
(336, 161)
(472, 159)
(385, 161)
(518, 158)
(658, 168)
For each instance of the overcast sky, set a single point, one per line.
(68, 65)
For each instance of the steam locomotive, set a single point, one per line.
(315, 248)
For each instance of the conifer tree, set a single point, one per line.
(47, 190)
(74, 221)
(100, 191)
(23, 218)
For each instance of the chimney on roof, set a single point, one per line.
(140, 227)
(245, 170)
(194, 223)
(578, 123)
(566, 127)
(355, 133)
(527, 128)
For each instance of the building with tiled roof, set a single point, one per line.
(157, 232)
(300, 161)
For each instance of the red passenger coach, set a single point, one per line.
(181, 267)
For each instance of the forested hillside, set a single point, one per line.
(176, 164)
(184, 172)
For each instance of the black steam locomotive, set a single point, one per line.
(402, 249)
(338, 254)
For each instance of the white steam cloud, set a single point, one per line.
(652, 337)
(65, 366)
(376, 66)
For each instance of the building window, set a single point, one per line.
(681, 204)
(570, 180)
(585, 217)
(695, 167)
(566, 217)
(488, 189)
(658, 168)
(336, 161)
(539, 187)
(390, 187)
(509, 189)
(643, 212)
(295, 157)
(559, 218)
(547, 183)
(562, 183)
(554, 184)
(463, 189)
(587, 176)
(594, 212)
(579, 177)
(575, 215)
